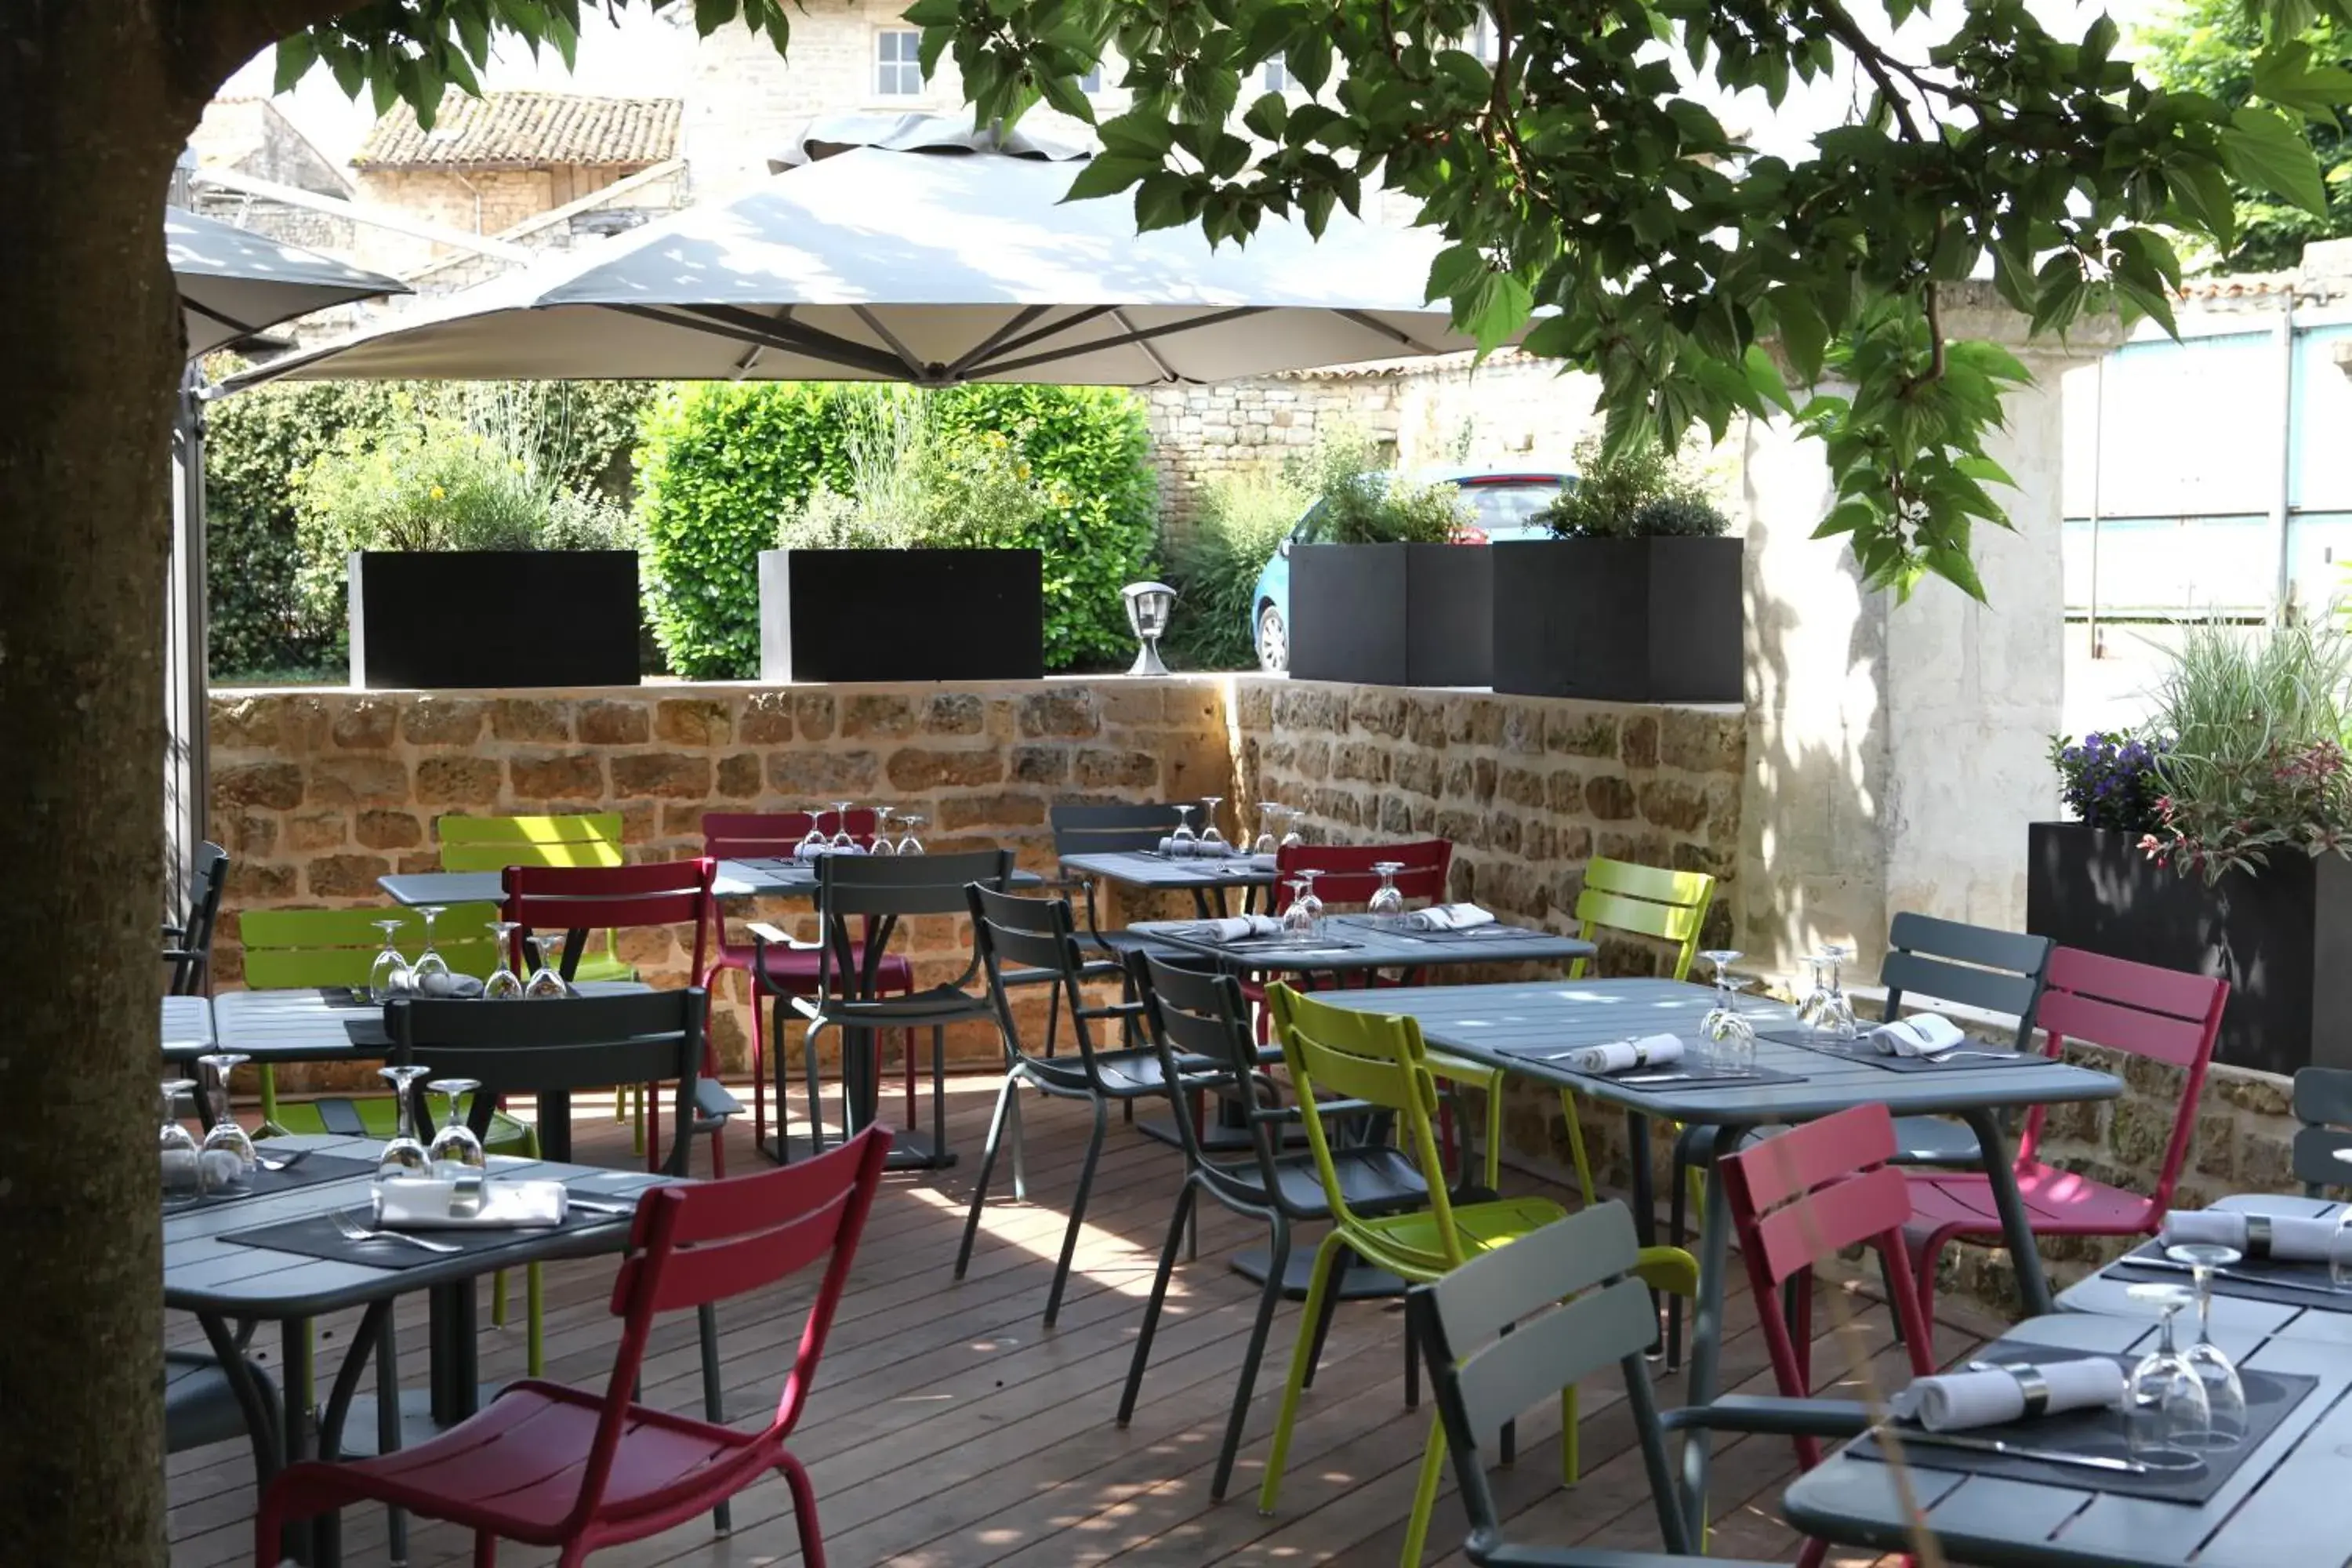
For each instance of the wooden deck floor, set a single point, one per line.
(949, 1429)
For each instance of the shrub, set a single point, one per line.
(2112, 781)
(1359, 502)
(1643, 492)
(1214, 565)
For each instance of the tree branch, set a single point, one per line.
(1874, 61)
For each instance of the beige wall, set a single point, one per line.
(472, 201)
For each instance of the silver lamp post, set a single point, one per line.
(1148, 605)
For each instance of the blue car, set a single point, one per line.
(1503, 502)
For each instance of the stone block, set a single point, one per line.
(1523, 727)
(2264, 1163)
(1395, 817)
(365, 724)
(2264, 1094)
(920, 769)
(677, 775)
(312, 831)
(1425, 723)
(954, 713)
(1313, 760)
(1523, 786)
(1609, 798)
(244, 723)
(344, 876)
(555, 775)
(870, 715)
(1039, 764)
(432, 720)
(693, 722)
(1381, 711)
(1312, 706)
(614, 725)
(1360, 759)
(2214, 1147)
(458, 781)
(1060, 712)
(962, 813)
(1702, 742)
(1474, 720)
(1416, 770)
(1484, 775)
(359, 781)
(739, 776)
(1669, 803)
(1566, 788)
(277, 785)
(530, 718)
(814, 776)
(767, 719)
(246, 833)
(1098, 767)
(1580, 732)
(254, 882)
(389, 830)
(1130, 702)
(814, 712)
(1638, 742)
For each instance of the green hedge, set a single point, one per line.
(719, 462)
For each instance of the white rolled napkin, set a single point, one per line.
(1234, 928)
(425, 1203)
(1956, 1401)
(1923, 1034)
(219, 1167)
(1649, 1051)
(2291, 1238)
(1450, 917)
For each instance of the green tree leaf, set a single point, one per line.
(2264, 148)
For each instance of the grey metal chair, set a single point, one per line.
(188, 945)
(2322, 1104)
(1512, 1328)
(200, 1400)
(1115, 829)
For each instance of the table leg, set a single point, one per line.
(261, 1423)
(327, 1529)
(1707, 1326)
(455, 1377)
(296, 1433)
(2016, 1226)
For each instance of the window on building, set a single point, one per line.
(1091, 83)
(1484, 41)
(1276, 75)
(897, 63)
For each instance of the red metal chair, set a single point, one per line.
(791, 969)
(2136, 1008)
(1345, 877)
(660, 893)
(554, 1466)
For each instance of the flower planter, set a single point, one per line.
(1391, 615)
(493, 618)
(901, 615)
(2282, 936)
(1619, 620)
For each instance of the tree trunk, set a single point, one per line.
(91, 121)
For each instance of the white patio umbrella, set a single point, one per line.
(932, 265)
(234, 282)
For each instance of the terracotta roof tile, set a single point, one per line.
(526, 130)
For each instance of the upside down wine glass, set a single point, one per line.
(2167, 1414)
(389, 976)
(504, 985)
(430, 973)
(1725, 1028)
(1212, 841)
(1386, 902)
(227, 1156)
(546, 982)
(176, 1143)
(907, 842)
(883, 818)
(2225, 1392)
(456, 1150)
(405, 1156)
(1183, 841)
(1269, 814)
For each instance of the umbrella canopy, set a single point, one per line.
(234, 282)
(933, 266)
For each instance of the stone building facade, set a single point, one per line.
(249, 136)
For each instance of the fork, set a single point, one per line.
(354, 1231)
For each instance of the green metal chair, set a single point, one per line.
(495, 843)
(1377, 1064)
(288, 950)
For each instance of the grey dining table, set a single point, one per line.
(187, 1027)
(2317, 1314)
(224, 1283)
(1349, 944)
(1207, 880)
(2279, 1509)
(1514, 1026)
(756, 878)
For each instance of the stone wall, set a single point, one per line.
(1199, 433)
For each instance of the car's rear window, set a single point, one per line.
(1508, 504)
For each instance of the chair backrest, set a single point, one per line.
(559, 1045)
(1027, 941)
(1202, 1015)
(495, 843)
(1804, 1196)
(879, 890)
(1111, 829)
(1346, 875)
(699, 1243)
(291, 949)
(1381, 1063)
(191, 956)
(1512, 1328)
(616, 898)
(1643, 900)
(774, 835)
(2142, 1010)
(2323, 1103)
(1970, 966)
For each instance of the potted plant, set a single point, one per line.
(1382, 591)
(2215, 839)
(462, 564)
(1636, 597)
(886, 581)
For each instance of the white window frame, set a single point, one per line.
(893, 70)
(1275, 76)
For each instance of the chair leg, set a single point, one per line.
(1322, 1320)
(1185, 1204)
(1576, 1153)
(987, 1164)
(1077, 1211)
(815, 1097)
(759, 1074)
(1424, 1496)
(498, 1300)
(804, 1512)
(1269, 1297)
(1886, 1283)
(714, 1408)
(1302, 1365)
(939, 1091)
(485, 1550)
(906, 1057)
(534, 1303)
(1494, 1148)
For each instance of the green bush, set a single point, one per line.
(1359, 502)
(1643, 492)
(1214, 565)
(726, 471)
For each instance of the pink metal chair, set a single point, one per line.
(568, 1467)
(2137, 1008)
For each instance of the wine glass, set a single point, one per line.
(1387, 904)
(1309, 902)
(1291, 838)
(430, 973)
(389, 977)
(227, 1156)
(1298, 917)
(843, 842)
(1725, 1028)
(883, 818)
(177, 1144)
(2165, 1408)
(812, 843)
(456, 1150)
(547, 980)
(907, 842)
(1212, 841)
(2339, 1251)
(1268, 814)
(1183, 841)
(2225, 1392)
(1838, 1011)
(405, 1156)
(504, 985)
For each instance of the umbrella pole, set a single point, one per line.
(186, 768)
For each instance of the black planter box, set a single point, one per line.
(1391, 615)
(494, 618)
(1619, 620)
(2282, 936)
(902, 615)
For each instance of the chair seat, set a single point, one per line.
(601, 966)
(377, 1116)
(1119, 941)
(2057, 1203)
(1462, 1070)
(514, 1468)
(1936, 1141)
(1126, 1075)
(1375, 1181)
(199, 1402)
(1411, 1247)
(916, 1009)
(796, 969)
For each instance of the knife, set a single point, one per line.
(2270, 1282)
(1922, 1438)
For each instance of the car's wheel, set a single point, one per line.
(1273, 640)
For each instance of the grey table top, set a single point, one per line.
(1362, 944)
(203, 1273)
(2328, 1322)
(1137, 870)
(2279, 1511)
(736, 879)
(188, 1027)
(303, 1026)
(1473, 1020)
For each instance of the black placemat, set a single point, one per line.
(1684, 1074)
(1275, 947)
(2271, 1397)
(1495, 932)
(1863, 1051)
(304, 1169)
(316, 1236)
(2264, 1279)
